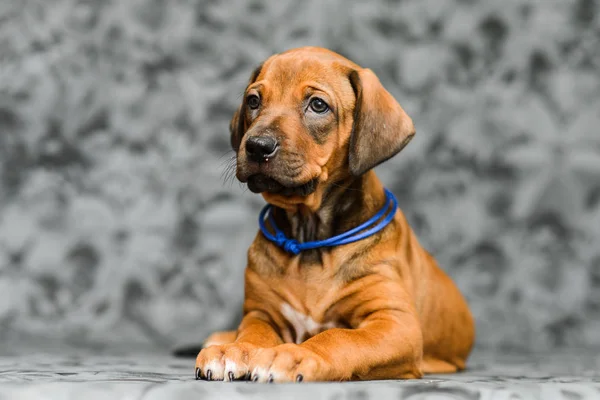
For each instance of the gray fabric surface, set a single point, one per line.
(135, 375)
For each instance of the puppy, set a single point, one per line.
(311, 127)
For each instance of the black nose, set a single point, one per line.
(261, 148)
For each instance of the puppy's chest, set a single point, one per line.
(301, 327)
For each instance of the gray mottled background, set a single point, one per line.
(116, 225)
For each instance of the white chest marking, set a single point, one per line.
(304, 326)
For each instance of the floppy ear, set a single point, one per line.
(237, 126)
(381, 127)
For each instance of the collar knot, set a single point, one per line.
(375, 224)
(292, 246)
(289, 245)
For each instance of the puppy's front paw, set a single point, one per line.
(288, 363)
(227, 362)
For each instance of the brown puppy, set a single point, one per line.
(310, 129)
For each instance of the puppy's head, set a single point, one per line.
(309, 118)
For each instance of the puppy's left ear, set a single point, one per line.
(381, 127)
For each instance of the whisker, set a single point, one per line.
(226, 153)
(228, 173)
(227, 162)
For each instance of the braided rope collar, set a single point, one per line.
(364, 230)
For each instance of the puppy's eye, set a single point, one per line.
(253, 101)
(318, 105)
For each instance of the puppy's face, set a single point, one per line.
(310, 117)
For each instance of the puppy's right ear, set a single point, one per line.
(237, 126)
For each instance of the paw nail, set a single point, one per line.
(230, 374)
(299, 378)
(197, 373)
(270, 380)
(255, 378)
(209, 375)
(248, 376)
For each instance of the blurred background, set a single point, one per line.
(117, 226)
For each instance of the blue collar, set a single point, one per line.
(353, 235)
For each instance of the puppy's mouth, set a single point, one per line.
(260, 183)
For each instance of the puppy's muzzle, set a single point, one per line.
(261, 148)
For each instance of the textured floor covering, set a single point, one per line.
(78, 375)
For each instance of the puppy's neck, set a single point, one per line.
(344, 205)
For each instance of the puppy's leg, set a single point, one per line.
(387, 345)
(220, 338)
(230, 361)
(191, 351)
